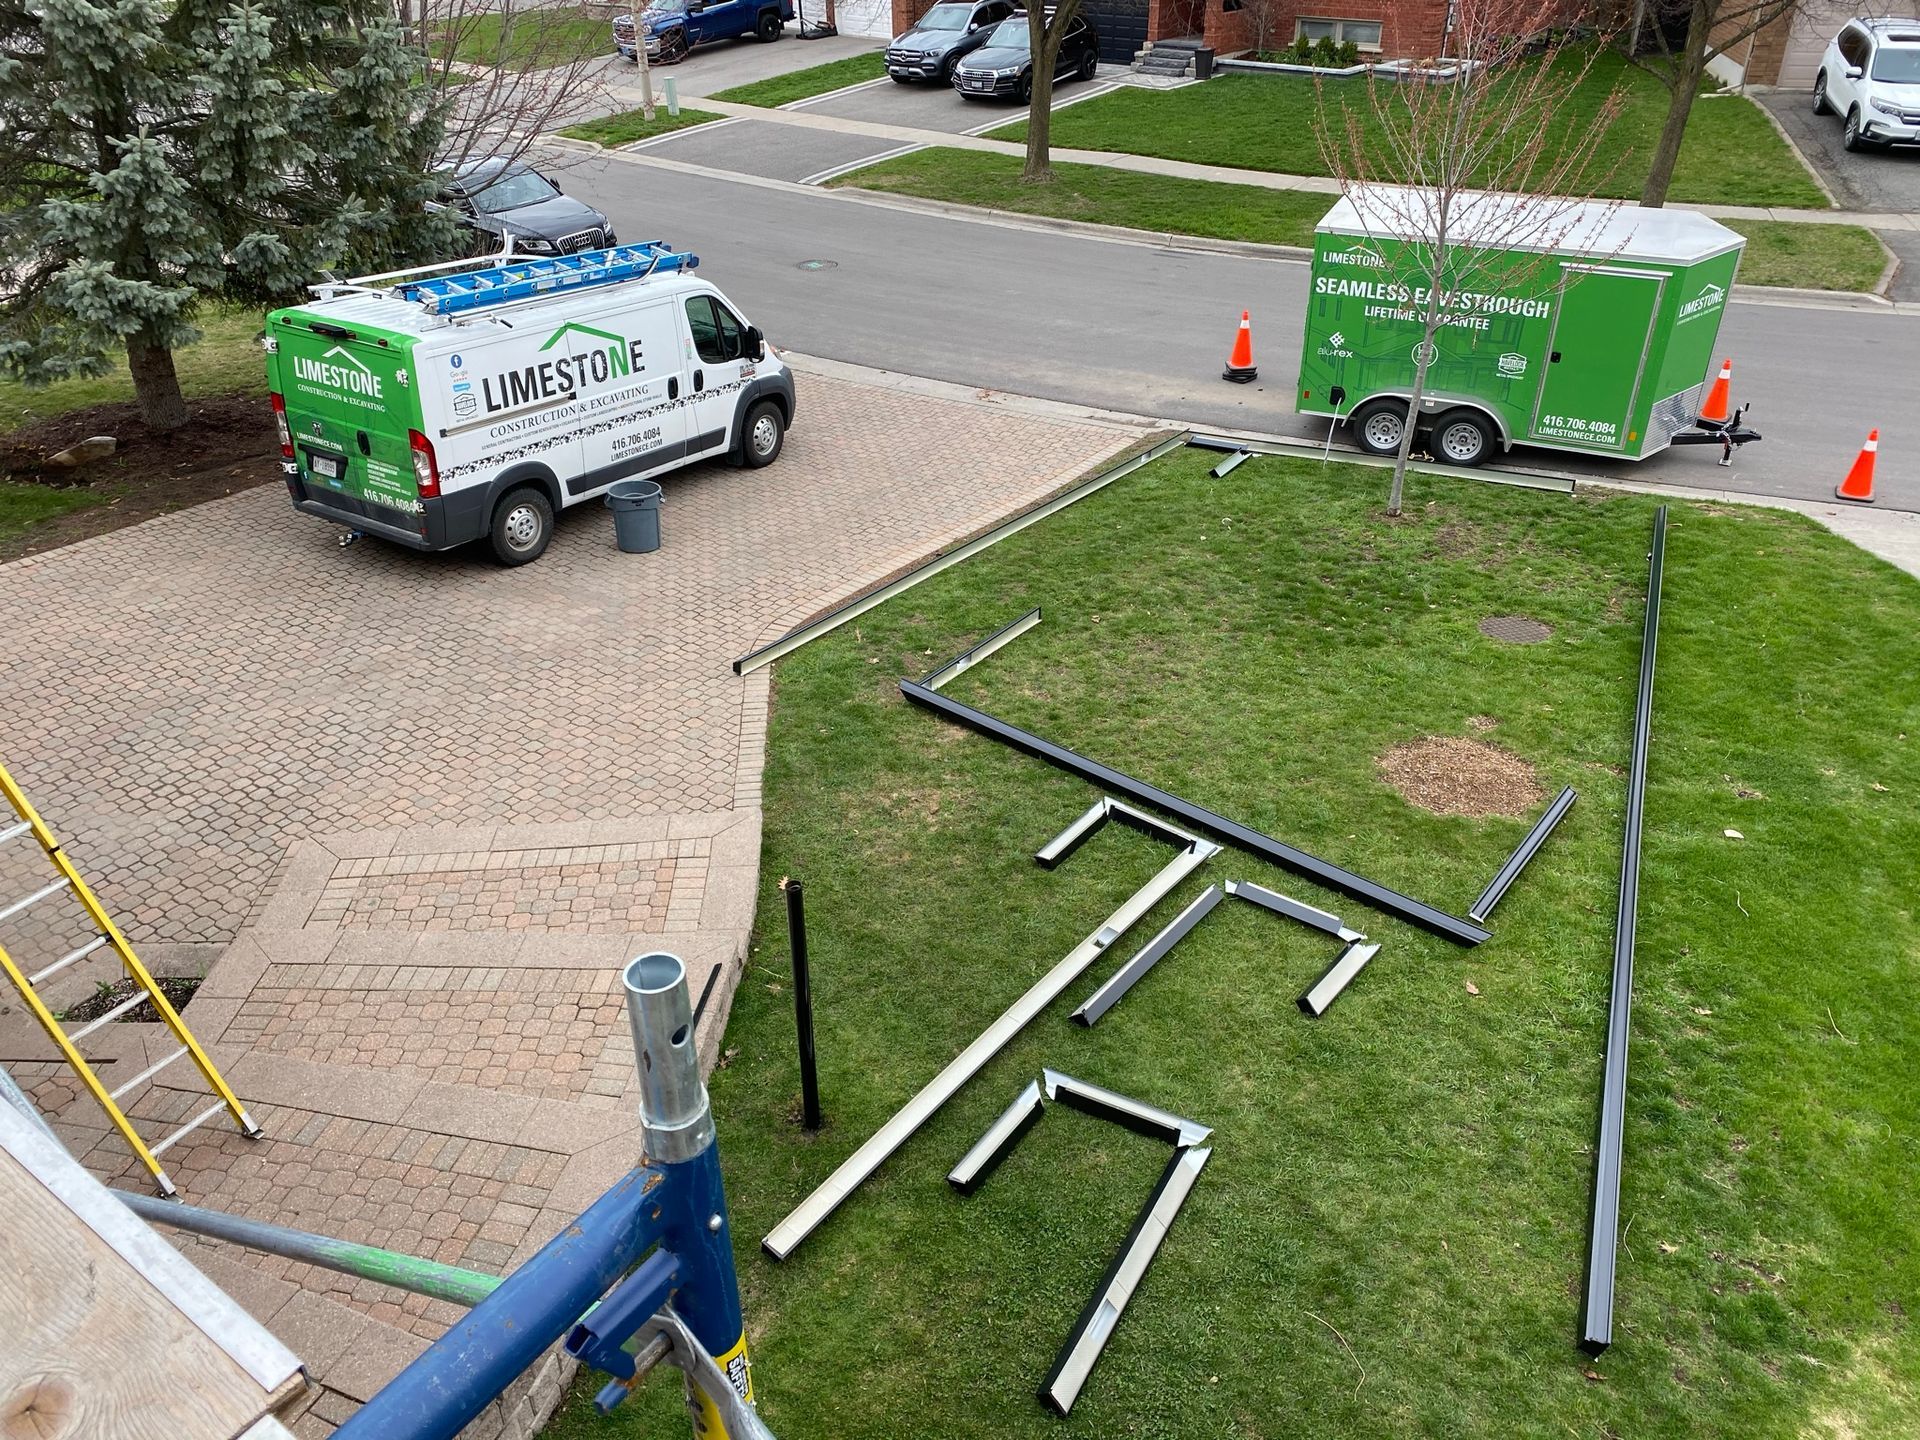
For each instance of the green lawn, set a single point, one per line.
(227, 360)
(1413, 1170)
(1731, 156)
(529, 39)
(815, 80)
(1812, 257)
(1107, 197)
(1827, 257)
(629, 125)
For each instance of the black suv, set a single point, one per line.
(938, 39)
(500, 197)
(1004, 65)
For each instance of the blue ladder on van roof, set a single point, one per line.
(524, 279)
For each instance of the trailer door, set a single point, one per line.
(1596, 355)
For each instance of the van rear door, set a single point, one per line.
(350, 408)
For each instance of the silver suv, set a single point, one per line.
(1871, 76)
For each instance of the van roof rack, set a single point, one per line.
(526, 279)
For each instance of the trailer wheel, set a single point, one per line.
(522, 526)
(1379, 425)
(1462, 437)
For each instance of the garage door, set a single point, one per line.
(859, 17)
(1122, 25)
(1813, 25)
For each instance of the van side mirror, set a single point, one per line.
(756, 343)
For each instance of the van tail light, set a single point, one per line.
(280, 424)
(426, 470)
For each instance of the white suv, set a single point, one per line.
(1871, 75)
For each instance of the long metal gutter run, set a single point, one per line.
(1516, 862)
(1231, 832)
(785, 1237)
(1596, 1326)
(853, 609)
(991, 1148)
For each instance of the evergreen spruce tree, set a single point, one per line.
(156, 153)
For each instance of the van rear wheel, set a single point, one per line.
(1462, 437)
(1378, 426)
(765, 433)
(522, 526)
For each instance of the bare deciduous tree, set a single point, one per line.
(1046, 28)
(512, 72)
(1704, 28)
(1420, 154)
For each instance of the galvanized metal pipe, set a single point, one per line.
(1596, 1329)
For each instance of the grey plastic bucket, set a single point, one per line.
(636, 515)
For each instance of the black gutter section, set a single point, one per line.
(1415, 912)
(1324, 991)
(1596, 1327)
(1136, 1115)
(1516, 862)
(1293, 909)
(997, 1143)
(1088, 1338)
(1148, 956)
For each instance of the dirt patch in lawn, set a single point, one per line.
(1451, 775)
(226, 445)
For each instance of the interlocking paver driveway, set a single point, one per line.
(433, 805)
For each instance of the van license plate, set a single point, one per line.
(327, 465)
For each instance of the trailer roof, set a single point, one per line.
(1531, 222)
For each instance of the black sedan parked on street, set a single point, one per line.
(938, 39)
(498, 198)
(1004, 65)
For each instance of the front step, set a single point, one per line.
(1172, 58)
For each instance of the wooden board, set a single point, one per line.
(98, 1347)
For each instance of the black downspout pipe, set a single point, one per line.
(1596, 1326)
(802, 1006)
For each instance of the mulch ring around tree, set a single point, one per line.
(177, 988)
(227, 445)
(1451, 775)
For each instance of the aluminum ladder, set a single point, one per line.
(525, 279)
(107, 936)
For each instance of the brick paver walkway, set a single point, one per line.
(424, 808)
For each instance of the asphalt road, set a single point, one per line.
(1137, 327)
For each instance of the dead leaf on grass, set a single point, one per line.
(1733, 834)
(1472, 989)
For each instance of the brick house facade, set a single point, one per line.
(1408, 28)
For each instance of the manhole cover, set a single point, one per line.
(818, 265)
(1515, 629)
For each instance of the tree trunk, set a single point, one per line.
(1044, 45)
(155, 385)
(1691, 64)
(1423, 358)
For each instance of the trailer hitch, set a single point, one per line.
(1724, 433)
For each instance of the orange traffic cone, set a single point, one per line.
(1240, 368)
(1859, 482)
(1714, 414)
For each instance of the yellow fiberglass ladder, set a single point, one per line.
(146, 992)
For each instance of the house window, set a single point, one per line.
(1363, 33)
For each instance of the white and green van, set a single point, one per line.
(440, 410)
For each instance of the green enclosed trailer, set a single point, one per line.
(1596, 339)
